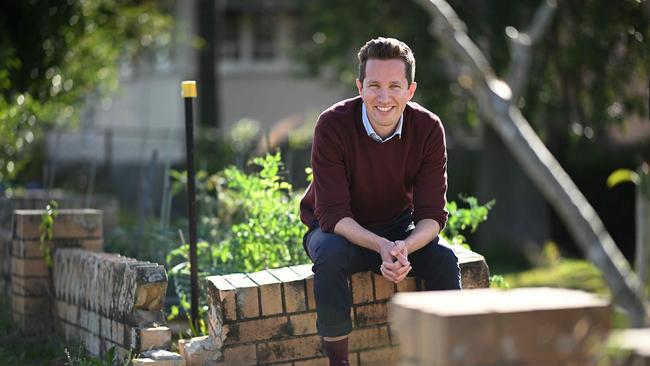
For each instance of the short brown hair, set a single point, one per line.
(386, 49)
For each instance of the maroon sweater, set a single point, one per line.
(372, 182)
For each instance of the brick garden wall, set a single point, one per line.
(107, 300)
(31, 287)
(268, 317)
(100, 300)
(38, 199)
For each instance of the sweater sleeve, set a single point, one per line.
(430, 186)
(331, 184)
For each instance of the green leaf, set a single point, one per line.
(621, 176)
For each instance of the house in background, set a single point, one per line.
(259, 80)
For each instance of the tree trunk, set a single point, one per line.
(642, 256)
(494, 99)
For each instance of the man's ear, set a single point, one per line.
(359, 86)
(412, 88)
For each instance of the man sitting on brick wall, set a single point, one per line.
(377, 201)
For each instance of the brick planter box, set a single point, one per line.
(269, 317)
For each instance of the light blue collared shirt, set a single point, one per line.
(371, 131)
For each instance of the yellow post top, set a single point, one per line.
(188, 89)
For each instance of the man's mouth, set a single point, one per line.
(384, 109)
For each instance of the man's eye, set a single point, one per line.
(395, 87)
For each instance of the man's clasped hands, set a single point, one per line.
(395, 265)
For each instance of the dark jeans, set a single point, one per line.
(335, 259)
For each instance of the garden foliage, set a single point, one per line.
(250, 221)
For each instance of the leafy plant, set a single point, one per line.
(248, 222)
(45, 229)
(497, 281)
(464, 219)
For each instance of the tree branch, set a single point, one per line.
(541, 166)
(521, 45)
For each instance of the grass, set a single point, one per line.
(40, 350)
(18, 349)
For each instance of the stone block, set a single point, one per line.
(371, 314)
(198, 351)
(29, 267)
(258, 330)
(474, 270)
(221, 297)
(384, 289)
(365, 338)
(23, 248)
(294, 289)
(166, 358)
(386, 356)
(36, 305)
(240, 355)
(30, 286)
(247, 297)
(270, 292)
(408, 285)
(539, 326)
(94, 323)
(305, 272)
(303, 324)
(68, 224)
(143, 339)
(289, 349)
(361, 287)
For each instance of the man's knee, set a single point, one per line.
(329, 250)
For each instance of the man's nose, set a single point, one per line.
(382, 94)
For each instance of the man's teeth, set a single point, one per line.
(384, 109)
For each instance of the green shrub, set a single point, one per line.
(462, 220)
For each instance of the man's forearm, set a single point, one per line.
(425, 231)
(348, 228)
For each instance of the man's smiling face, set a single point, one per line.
(385, 92)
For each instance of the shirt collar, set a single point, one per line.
(371, 131)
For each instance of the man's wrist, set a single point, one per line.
(381, 243)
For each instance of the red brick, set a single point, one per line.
(311, 301)
(290, 349)
(221, 294)
(408, 285)
(240, 355)
(362, 287)
(30, 305)
(30, 286)
(270, 292)
(34, 324)
(305, 272)
(143, 339)
(303, 324)
(25, 248)
(324, 361)
(294, 289)
(384, 356)
(75, 223)
(371, 314)
(29, 267)
(258, 330)
(247, 296)
(364, 338)
(384, 289)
